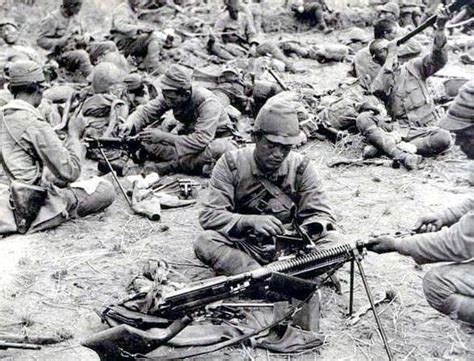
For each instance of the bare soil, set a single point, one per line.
(51, 283)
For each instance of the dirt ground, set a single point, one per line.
(51, 283)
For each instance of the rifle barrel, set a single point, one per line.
(23, 346)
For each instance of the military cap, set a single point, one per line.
(460, 114)
(176, 78)
(278, 122)
(391, 8)
(8, 21)
(24, 72)
(105, 75)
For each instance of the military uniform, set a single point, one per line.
(126, 32)
(405, 93)
(236, 191)
(230, 46)
(30, 150)
(204, 128)
(313, 10)
(55, 26)
(242, 187)
(448, 288)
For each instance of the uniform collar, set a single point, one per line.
(17, 104)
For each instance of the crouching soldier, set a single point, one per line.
(202, 132)
(447, 236)
(40, 168)
(257, 192)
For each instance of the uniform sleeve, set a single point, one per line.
(148, 113)
(250, 31)
(313, 204)
(204, 131)
(64, 161)
(218, 211)
(453, 214)
(455, 244)
(121, 23)
(437, 58)
(47, 38)
(220, 24)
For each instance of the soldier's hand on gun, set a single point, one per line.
(442, 17)
(428, 223)
(153, 135)
(382, 244)
(266, 225)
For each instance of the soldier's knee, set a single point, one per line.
(365, 121)
(435, 290)
(100, 199)
(204, 245)
(441, 140)
(221, 146)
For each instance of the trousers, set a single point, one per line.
(450, 290)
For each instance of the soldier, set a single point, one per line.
(62, 35)
(313, 11)
(411, 12)
(448, 288)
(389, 11)
(405, 93)
(203, 128)
(134, 38)
(257, 192)
(365, 68)
(237, 37)
(42, 169)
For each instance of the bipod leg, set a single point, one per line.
(351, 291)
(372, 304)
(115, 176)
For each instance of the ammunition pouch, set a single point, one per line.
(26, 201)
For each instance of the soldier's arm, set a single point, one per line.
(250, 31)
(437, 58)
(205, 129)
(314, 211)
(218, 211)
(455, 244)
(64, 161)
(47, 38)
(147, 114)
(453, 214)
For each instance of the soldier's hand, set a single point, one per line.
(266, 225)
(428, 223)
(442, 17)
(382, 244)
(126, 129)
(153, 135)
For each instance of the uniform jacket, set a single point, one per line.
(55, 26)
(455, 243)
(125, 22)
(203, 119)
(243, 26)
(404, 89)
(235, 188)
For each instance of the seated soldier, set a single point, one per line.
(448, 288)
(203, 128)
(411, 12)
(257, 192)
(235, 37)
(365, 68)
(41, 169)
(134, 38)
(313, 11)
(61, 34)
(404, 91)
(13, 49)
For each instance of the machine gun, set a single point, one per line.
(124, 342)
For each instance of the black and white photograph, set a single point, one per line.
(258, 180)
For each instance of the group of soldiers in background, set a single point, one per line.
(259, 190)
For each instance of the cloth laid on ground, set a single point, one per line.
(212, 326)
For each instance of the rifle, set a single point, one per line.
(123, 342)
(22, 346)
(455, 6)
(323, 128)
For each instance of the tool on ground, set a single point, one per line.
(390, 295)
(186, 187)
